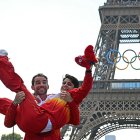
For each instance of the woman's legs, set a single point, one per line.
(29, 113)
(7, 75)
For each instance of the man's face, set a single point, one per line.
(67, 85)
(40, 86)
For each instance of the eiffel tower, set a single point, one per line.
(112, 104)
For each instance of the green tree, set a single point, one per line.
(11, 137)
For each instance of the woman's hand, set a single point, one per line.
(66, 96)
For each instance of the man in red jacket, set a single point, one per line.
(40, 87)
(15, 83)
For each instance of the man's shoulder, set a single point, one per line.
(53, 95)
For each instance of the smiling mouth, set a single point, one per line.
(64, 89)
(41, 89)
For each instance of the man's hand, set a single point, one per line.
(20, 96)
(66, 96)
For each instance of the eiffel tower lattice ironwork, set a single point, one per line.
(112, 104)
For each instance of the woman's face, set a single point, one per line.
(67, 85)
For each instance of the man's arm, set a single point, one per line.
(10, 116)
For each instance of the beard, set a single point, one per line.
(41, 91)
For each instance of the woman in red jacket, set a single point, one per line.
(29, 115)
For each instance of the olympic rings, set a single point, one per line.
(133, 57)
(110, 54)
(113, 57)
(131, 63)
(126, 64)
(139, 55)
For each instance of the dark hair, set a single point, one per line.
(73, 80)
(38, 75)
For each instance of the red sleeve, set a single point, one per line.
(78, 94)
(10, 116)
(74, 113)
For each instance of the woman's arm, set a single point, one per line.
(74, 109)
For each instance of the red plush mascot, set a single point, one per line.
(88, 59)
